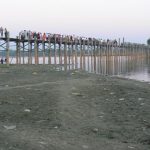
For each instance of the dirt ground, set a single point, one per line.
(44, 108)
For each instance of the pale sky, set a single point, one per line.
(90, 18)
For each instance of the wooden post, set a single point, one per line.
(55, 52)
(98, 55)
(7, 49)
(43, 50)
(49, 50)
(17, 50)
(119, 55)
(84, 54)
(127, 50)
(107, 53)
(23, 52)
(76, 54)
(94, 56)
(72, 54)
(29, 51)
(88, 55)
(143, 50)
(35, 51)
(69, 53)
(80, 53)
(65, 54)
(91, 55)
(60, 51)
(123, 48)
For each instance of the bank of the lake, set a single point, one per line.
(44, 108)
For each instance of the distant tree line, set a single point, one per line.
(148, 41)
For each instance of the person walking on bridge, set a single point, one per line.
(1, 32)
(6, 33)
(44, 37)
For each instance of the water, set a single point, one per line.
(142, 73)
(133, 68)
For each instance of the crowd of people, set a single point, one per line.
(32, 35)
(3, 32)
(25, 35)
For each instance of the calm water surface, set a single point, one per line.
(132, 68)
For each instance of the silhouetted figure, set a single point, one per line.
(38, 36)
(1, 32)
(22, 36)
(34, 35)
(115, 42)
(44, 36)
(2, 61)
(6, 33)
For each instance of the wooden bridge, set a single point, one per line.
(68, 51)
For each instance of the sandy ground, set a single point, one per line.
(42, 108)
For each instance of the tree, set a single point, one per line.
(148, 41)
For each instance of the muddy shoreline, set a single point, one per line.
(44, 108)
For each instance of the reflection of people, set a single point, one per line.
(2, 61)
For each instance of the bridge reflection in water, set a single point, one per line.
(130, 67)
